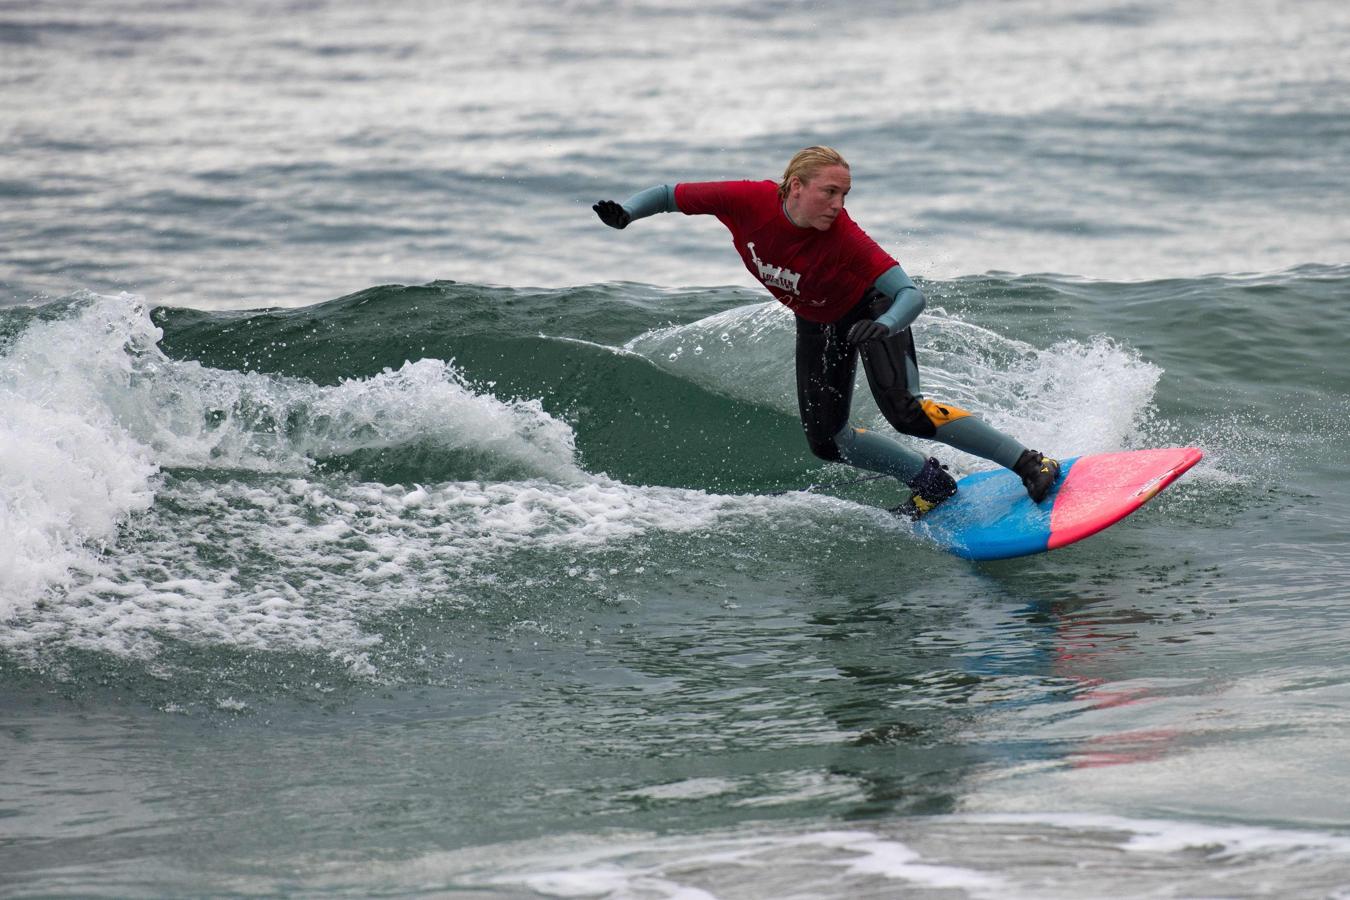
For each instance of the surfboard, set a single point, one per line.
(991, 516)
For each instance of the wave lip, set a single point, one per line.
(217, 419)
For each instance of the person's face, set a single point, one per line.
(818, 202)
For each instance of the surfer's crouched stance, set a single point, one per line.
(849, 296)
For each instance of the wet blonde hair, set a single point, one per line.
(806, 164)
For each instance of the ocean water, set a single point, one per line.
(374, 522)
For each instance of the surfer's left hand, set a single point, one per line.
(867, 330)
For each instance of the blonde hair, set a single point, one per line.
(806, 164)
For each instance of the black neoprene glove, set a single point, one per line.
(612, 214)
(867, 330)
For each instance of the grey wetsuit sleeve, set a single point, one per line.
(906, 300)
(653, 200)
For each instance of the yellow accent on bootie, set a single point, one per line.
(921, 505)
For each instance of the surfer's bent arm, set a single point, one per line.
(906, 300)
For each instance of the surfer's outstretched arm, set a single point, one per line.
(653, 200)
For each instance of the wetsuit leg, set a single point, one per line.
(978, 438)
(888, 364)
(825, 368)
(826, 365)
(892, 369)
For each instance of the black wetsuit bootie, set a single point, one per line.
(1038, 473)
(931, 486)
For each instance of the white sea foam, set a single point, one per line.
(1217, 841)
(688, 789)
(1047, 855)
(299, 564)
(68, 472)
(835, 863)
(93, 409)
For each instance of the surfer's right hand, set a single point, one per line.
(612, 214)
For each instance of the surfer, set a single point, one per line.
(849, 297)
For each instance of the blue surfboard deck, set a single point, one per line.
(991, 516)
